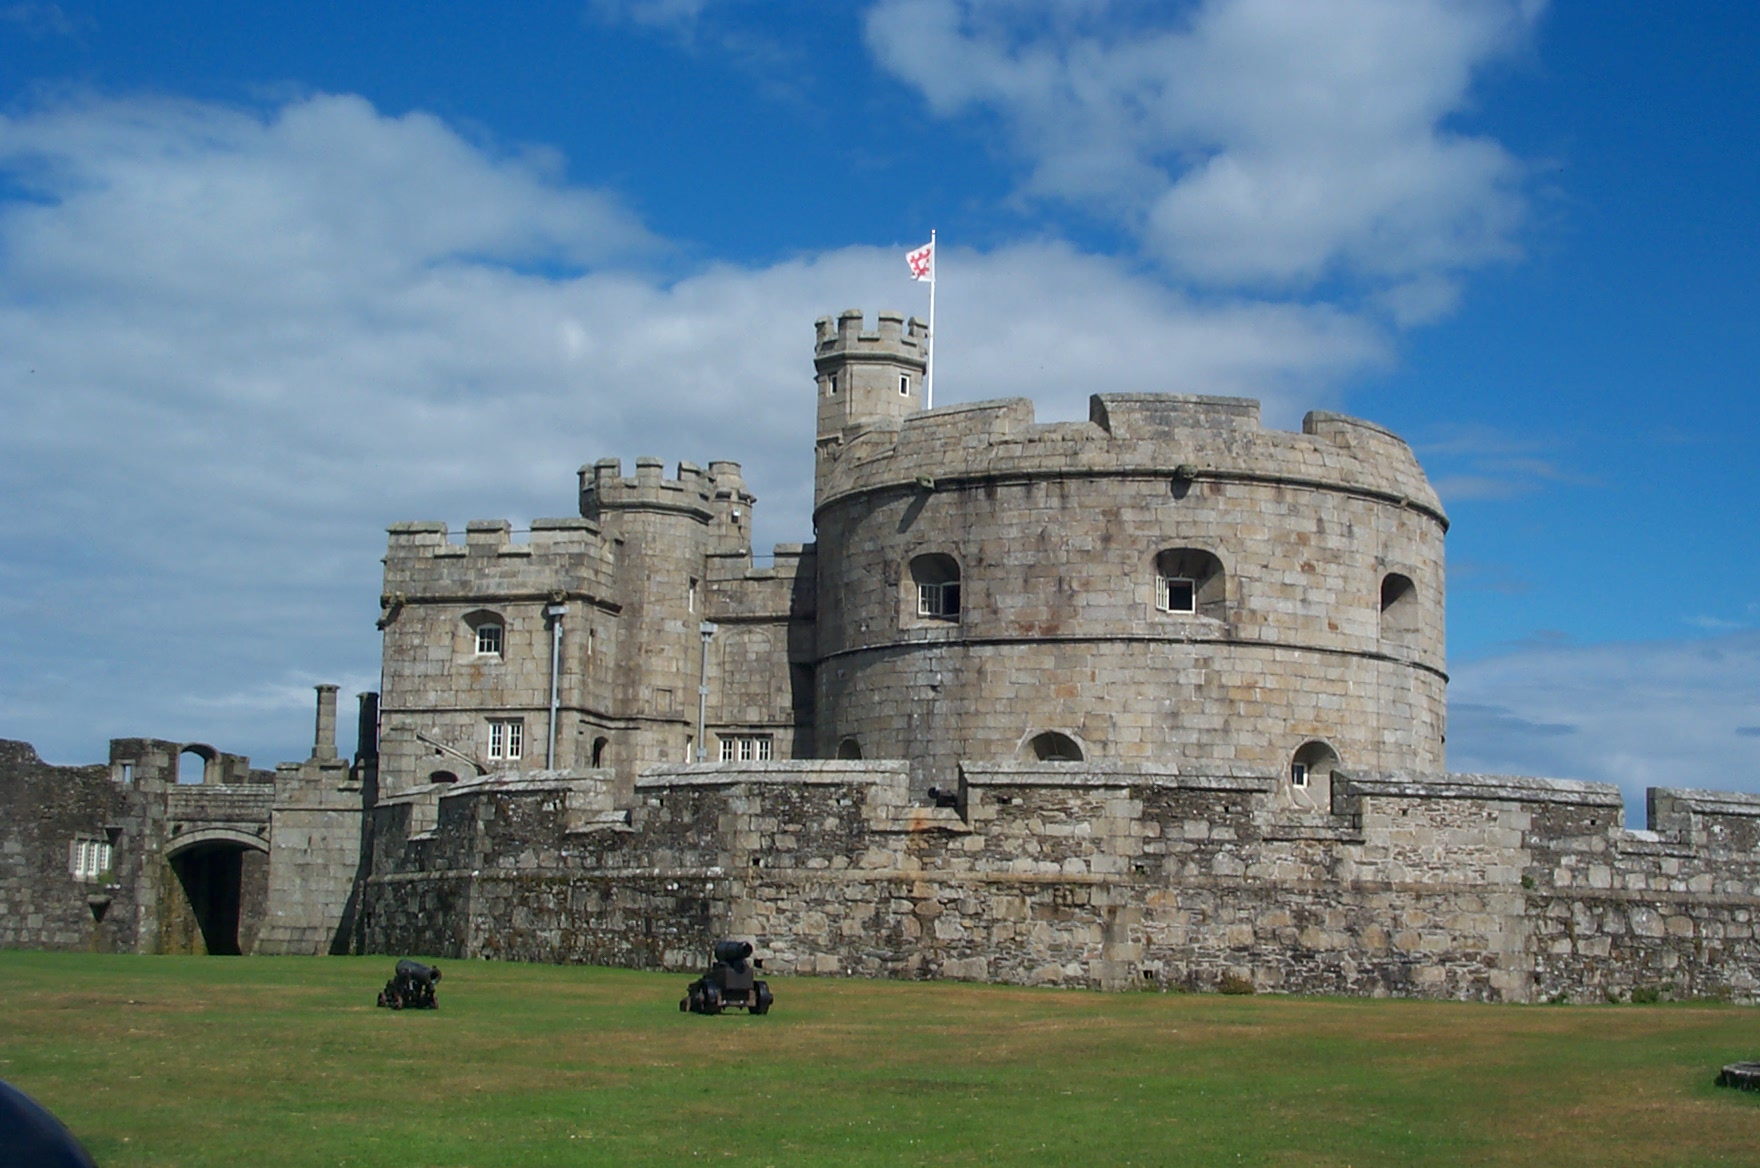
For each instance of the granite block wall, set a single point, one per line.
(1085, 875)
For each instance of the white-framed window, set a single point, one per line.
(1298, 774)
(938, 600)
(89, 859)
(1176, 594)
(904, 383)
(507, 738)
(745, 748)
(490, 639)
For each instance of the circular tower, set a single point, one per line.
(1165, 583)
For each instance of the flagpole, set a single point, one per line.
(929, 369)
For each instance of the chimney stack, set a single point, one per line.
(324, 740)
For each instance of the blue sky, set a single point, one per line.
(271, 279)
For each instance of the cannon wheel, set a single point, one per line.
(711, 1000)
(761, 992)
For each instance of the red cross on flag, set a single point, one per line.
(922, 262)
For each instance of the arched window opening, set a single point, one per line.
(935, 578)
(1054, 747)
(486, 634)
(1399, 606)
(1312, 765)
(193, 763)
(599, 747)
(442, 777)
(849, 750)
(1190, 582)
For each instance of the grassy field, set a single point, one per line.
(261, 1061)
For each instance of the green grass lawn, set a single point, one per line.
(271, 1061)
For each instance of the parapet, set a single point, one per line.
(893, 337)
(1189, 437)
(1167, 415)
(603, 487)
(493, 537)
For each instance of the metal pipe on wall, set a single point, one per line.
(555, 612)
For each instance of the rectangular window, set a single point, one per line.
(1176, 594)
(904, 383)
(938, 600)
(506, 738)
(489, 639)
(90, 859)
(745, 748)
(690, 596)
(1298, 774)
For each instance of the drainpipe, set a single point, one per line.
(707, 628)
(555, 612)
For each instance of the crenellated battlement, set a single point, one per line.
(703, 494)
(1167, 435)
(493, 537)
(893, 337)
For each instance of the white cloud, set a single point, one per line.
(1259, 143)
(1645, 714)
(234, 346)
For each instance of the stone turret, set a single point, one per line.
(867, 377)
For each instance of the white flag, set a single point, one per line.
(922, 262)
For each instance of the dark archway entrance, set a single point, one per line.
(224, 885)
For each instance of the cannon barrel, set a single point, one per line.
(733, 953)
(416, 971)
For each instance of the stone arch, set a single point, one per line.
(1399, 608)
(849, 750)
(1190, 581)
(215, 835)
(1307, 784)
(1054, 746)
(601, 745)
(206, 771)
(932, 588)
(442, 777)
(223, 875)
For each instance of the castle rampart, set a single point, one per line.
(1464, 886)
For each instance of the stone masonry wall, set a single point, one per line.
(44, 809)
(1085, 875)
(1056, 530)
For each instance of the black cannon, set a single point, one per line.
(412, 986)
(730, 982)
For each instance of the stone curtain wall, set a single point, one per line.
(43, 809)
(1084, 876)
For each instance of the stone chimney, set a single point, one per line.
(324, 740)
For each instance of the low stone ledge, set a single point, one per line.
(822, 772)
(528, 782)
(1106, 774)
(1331, 833)
(1505, 788)
(1706, 802)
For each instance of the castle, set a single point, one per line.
(1152, 699)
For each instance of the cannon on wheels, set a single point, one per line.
(730, 983)
(411, 987)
